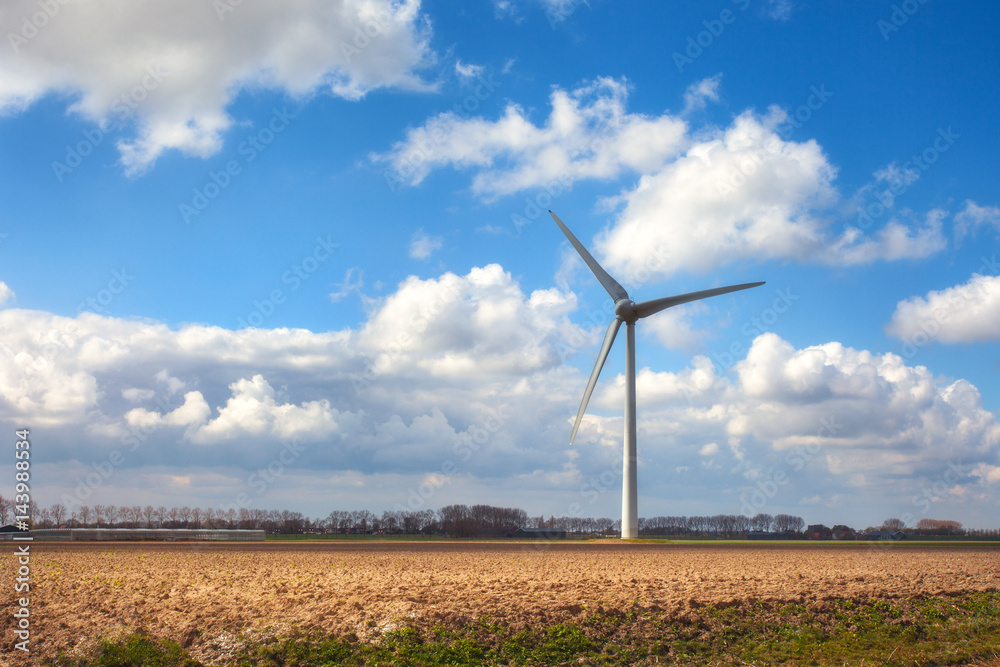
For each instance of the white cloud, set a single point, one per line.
(780, 10)
(353, 282)
(864, 413)
(422, 245)
(698, 94)
(172, 384)
(480, 324)
(742, 193)
(709, 449)
(972, 217)
(704, 198)
(588, 134)
(673, 328)
(6, 293)
(893, 242)
(194, 412)
(965, 313)
(253, 411)
(137, 395)
(173, 66)
(470, 371)
(468, 71)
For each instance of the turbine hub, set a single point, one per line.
(625, 309)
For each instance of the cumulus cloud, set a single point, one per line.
(170, 68)
(705, 197)
(588, 134)
(744, 192)
(867, 414)
(465, 377)
(422, 245)
(965, 313)
(477, 325)
(253, 411)
(6, 293)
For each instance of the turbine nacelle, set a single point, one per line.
(625, 310)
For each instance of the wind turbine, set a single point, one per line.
(628, 311)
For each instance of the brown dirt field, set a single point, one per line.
(202, 593)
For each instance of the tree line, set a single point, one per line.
(452, 520)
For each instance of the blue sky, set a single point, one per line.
(313, 237)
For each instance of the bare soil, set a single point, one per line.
(204, 594)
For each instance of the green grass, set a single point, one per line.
(914, 631)
(279, 537)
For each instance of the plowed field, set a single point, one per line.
(202, 593)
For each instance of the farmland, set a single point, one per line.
(210, 598)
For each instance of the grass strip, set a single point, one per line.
(907, 631)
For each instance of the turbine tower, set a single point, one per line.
(629, 312)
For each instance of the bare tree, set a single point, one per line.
(161, 516)
(184, 515)
(149, 514)
(135, 515)
(893, 524)
(114, 514)
(100, 514)
(58, 512)
(85, 515)
(196, 517)
(6, 508)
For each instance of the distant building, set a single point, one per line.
(842, 532)
(818, 532)
(536, 534)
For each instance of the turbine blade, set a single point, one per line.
(610, 284)
(609, 338)
(647, 308)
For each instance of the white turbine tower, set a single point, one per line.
(628, 311)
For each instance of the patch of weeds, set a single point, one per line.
(127, 651)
